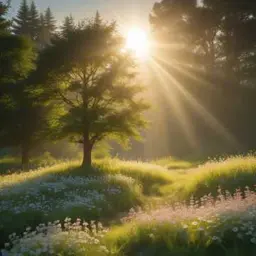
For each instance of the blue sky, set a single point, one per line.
(128, 13)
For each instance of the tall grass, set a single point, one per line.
(229, 174)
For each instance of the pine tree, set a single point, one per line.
(22, 21)
(4, 24)
(68, 26)
(34, 21)
(50, 24)
(97, 19)
(42, 32)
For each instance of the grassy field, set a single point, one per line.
(166, 207)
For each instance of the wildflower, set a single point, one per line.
(253, 240)
(151, 236)
(235, 229)
(216, 238)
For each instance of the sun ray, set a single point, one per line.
(176, 106)
(211, 120)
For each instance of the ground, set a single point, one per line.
(165, 207)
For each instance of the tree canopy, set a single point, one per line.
(96, 81)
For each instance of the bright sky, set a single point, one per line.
(128, 13)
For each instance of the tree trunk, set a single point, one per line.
(87, 151)
(24, 156)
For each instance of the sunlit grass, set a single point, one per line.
(111, 187)
(171, 163)
(229, 174)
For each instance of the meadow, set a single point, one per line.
(164, 207)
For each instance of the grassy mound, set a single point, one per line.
(225, 227)
(111, 188)
(230, 174)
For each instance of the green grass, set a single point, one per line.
(150, 176)
(230, 174)
(113, 187)
(171, 163)
(152, 239)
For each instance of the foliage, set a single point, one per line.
(97, 82)
(17, 58)
(22, 24)
(68, 26)
(4, 24)
(34, 22)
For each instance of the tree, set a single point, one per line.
(21, 24)
(4, 24)
(50, 25)
(16, 59)
(28, 119)
(97, 83)
(34, 22)
(68, 26)
(17, 55)
(42, 35)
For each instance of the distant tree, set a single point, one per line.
(21, 24)
(50, 25)
(16, 58)
(42, 35)
(17, 55)
(28, 119)
(34, 22)
(97, 83)
(68, 26)
(4, 24)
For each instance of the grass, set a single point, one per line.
(107, 191)
(229, 174)
(171, 163)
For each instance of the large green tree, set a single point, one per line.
(97, 82)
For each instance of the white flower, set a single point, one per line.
(235, 229)
(253, 240)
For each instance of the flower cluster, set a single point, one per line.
(232, 216)
(78, 238)
(60, 192)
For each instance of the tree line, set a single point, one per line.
(77, 85)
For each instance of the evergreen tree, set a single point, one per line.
(34, 22)
(42, 35)
(4, 24)
(21, 24)
(68, 26)
(50, 24)
(97, 19)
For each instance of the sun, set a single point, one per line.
(138, 42)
